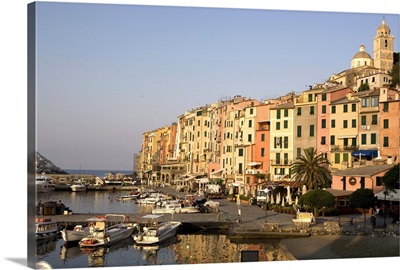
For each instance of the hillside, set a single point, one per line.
(43, 165)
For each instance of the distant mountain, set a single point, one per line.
(43, 165)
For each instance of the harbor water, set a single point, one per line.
(182, 249)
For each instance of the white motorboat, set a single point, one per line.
(46, 229)
(43, 184)
(102, 233)
(175, 207)
(76, 234)
(152, 198)
(155, 230)
(78, 186)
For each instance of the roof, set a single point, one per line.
(288, 105)
(364, 171)
(339, 193)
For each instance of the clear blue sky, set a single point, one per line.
(107, 73)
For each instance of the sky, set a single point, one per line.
(108, 73)
(100, 89)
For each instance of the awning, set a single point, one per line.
(215, 172)
(390, 197)
(202, 180)
(365, 153)
(346, 136)
(254, 164)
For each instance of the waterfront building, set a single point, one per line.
(282, 140)
(330, 93)
(352, 119)
(389, 124)
(343, 131)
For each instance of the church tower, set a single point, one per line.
(383, 47)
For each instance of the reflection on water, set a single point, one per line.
(182, 249)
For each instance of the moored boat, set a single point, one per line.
(44, 184)
(76, 234)
(78, 186)
(155, 230)
(46, 229)
(103, 233)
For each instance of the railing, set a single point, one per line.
(337, 148)
(284, 162)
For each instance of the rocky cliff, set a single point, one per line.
(43, 165)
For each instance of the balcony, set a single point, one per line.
(281, 162)
(254, 171)
(347, 148)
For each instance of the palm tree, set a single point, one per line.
(311, 170)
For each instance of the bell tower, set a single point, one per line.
(383, 47)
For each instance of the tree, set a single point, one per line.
(391, 182)
(363, 87)
(317, 199)
(311, 170)
(362, 198)
(395, 73)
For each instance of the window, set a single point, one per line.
(323, 140)
(363, 139)
(251, 110)
(353, 107)
(198, 123)
(378, 182)
(373, 138)
(286, 113)
(298, 131)
(311, 130)
(285, 158)
(363, 120)
(345, 108)
(262, 137)
(240, 168)
(333, 123)
(374, 119)
(311, 109)
(333, 108)
(353, 141)
(337, 158)
(323, 97)
(298, 152)
(286, 142)
(344, 123)
(240, 152)
(345, 142)
(323, 108)
(346, 157)
(374, 102)
(262, 151)
(299, 111)
(309, 97)
(332, 139)
(385, 141)
(323, 123)
(277, 142)
(249, 138)
(278, 114)
(278, 125)
(365, 102)
(278, 158)
(285, 124)
(353, 123)
(386, 107)
(385, 123)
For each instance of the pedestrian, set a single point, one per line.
(239, 216)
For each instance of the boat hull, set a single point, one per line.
(111, 237)
(74, 236)
(164, 234)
